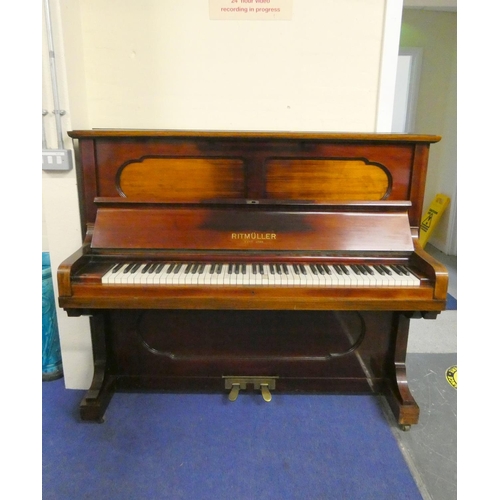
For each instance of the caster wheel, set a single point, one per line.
(405, 427)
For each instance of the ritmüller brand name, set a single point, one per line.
(253, 236)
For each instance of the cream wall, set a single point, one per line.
(164, 64)
(436, 33)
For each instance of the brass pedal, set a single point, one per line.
(235, 390)
(264, 384)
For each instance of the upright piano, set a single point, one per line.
(248, 261)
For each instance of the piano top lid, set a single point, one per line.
(249, 134)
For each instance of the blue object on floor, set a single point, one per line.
(451, 303)
(203, 447)
(51, 347)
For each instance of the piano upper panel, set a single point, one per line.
(181, 179)
(333, 180)
(198, 165)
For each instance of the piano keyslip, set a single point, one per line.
(276, 274)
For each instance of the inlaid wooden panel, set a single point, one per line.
(327, 180)
(182, 179)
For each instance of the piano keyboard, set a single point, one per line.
(231, 274)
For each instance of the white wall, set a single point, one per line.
(164, 64)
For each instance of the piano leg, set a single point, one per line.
(96, 400)
(398, 395)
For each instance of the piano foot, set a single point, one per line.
(93, 407)
(96, 400)
(397, 393)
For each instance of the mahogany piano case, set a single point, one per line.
(232, 261)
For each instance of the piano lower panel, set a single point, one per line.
(292, 345)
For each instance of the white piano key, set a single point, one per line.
(413, 280)
(341, 278)
(124, 274)
(284, 275)
(109, 277)
(137, 278)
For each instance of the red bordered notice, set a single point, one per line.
(251, 10)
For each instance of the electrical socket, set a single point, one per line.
(57, 159)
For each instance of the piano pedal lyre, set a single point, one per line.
(264, 384)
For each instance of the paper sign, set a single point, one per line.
(251, 10)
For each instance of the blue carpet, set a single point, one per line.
(196, 447)
(451, 303)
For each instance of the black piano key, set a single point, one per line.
(116, 267)
(327, 269)
(355, 269)
(303, 269)
(201, 268)
(296, 269)
(379, 269)
(212, 269)
(151, 268)
(134, 268)
(344, 268)
(338, 269)
(218, 270)
(386, 269)
(404, 270)
(146, 267)
(361, 269)
(285, 269)
(128, 268)
(396, 270)
(194, 269)
(188, 269)
(313, 269)
(230, 269)
(278, 269)
(261, 269)
(254, 268)
(319, 267)
(159, 268)
(237, 269)
(243, 268)
(368, 269)
(271, 268)
(177, 268)
(170, 268)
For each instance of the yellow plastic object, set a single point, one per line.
(431, 218)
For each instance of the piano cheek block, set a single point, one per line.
(256, 254)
